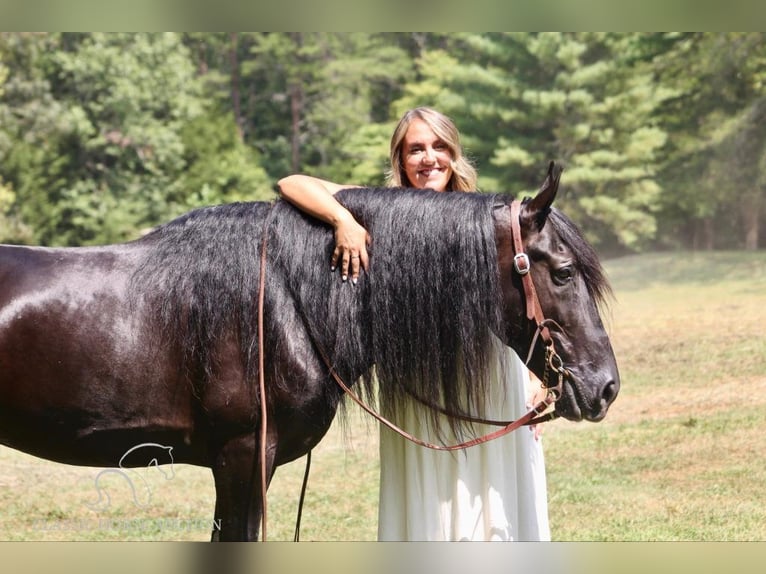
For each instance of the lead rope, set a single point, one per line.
(262, 377)
(297, 536)
(526, 419)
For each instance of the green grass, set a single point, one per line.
(46, 501)
(679, 457)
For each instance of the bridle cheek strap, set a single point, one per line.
(522, 265)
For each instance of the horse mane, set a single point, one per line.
(200, 272)
(423, 314)
(425, 311)
(434, 297)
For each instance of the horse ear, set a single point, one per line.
(538, 207)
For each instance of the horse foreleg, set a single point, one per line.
(237, 474)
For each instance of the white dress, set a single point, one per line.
(493, 491)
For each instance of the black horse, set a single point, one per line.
(156, 340)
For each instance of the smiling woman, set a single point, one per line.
(427, 159)
(426, 153)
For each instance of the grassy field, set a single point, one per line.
(679, 457)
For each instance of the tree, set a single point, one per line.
(524, 99)
(715, 158)
(30, 119)
(133, 94)
(321, 102)
(221, 168)
(6, 193)
(103, 135)
(97, 148)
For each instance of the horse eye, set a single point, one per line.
(563, 275)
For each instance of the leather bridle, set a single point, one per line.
(522, 266)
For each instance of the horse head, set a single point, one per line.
(570, 285)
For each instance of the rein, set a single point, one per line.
(262, 376)
(553, 365)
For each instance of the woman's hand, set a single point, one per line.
(537, 395)
(351, 240)
(316, 197)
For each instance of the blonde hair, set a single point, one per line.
(463, 176)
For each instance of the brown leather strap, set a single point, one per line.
(527, 419)
(533, 416)
(462, 416)
(523, 268)
(261, 373)
(522, 265)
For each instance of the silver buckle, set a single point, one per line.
(521, 263)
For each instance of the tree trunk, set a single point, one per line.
(751, 223)
(296, 107)
(705, 234)
(235, 97)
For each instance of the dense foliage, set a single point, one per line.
(103, 136)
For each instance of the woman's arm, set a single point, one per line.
(316, 197)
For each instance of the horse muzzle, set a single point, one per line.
(580, 401)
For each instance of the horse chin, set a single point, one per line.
(570, 411)
(574, 407)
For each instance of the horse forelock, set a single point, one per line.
(585, 257)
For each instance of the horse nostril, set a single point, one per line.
(610, 392)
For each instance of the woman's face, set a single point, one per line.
(426, 158)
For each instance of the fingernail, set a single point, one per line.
(345, 277)
(354, 280)
(332, 268)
